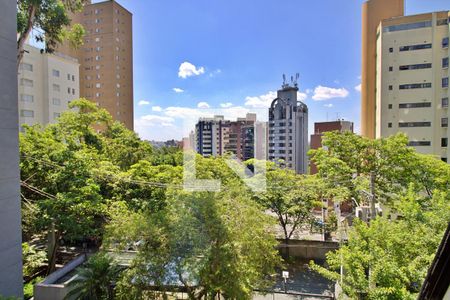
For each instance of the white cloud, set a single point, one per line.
(358, 87)
(143, 102)
(262, 101)
(308, 91)
(154, 120)
(325, 93)
(214, 73)
(226, 105)
(202, 105)
(301, 96)
(187, 69)
(329, 105)
(156, 108)
(178, 90)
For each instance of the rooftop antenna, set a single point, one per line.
(292, 80)
(296, 79)
(284, 80)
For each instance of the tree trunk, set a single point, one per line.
(53, 242)
(23, 37)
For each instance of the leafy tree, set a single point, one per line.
(388, 258)
(291, 198)
(94, 279)
(348, 160)
(33, 259)
(70, 173)
(50, 18)
(210, 243)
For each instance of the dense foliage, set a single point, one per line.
(92, 180)
(388, 258)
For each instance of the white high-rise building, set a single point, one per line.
(288, 129)
(412, 67)
(47, 83)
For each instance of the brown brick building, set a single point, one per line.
(106, 58)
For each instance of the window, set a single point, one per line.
(391, 69)
(73, 77)
(26, 67)
(444, 159)
(444, 142)
(419, 143)
(26, 98)
(390, 106)
(118, 85)
(445, 82)
(97, 67)
(56, 87)
(414, 124)
(97, 39)
(68, 90)
(97, 57)
(389, 125)
(409, 26)
(56, 115)
(391, 50)
(442, 22)
(98, 49)
(55, 73)
(97, 21)
(97, 95)
(73, 91)
(98, 85)
(27, 113)
(56, 101)
(445, 62)
(415, 67)
(445, 42)
(415, 105)
(444, 102)
(390, 87)
(26, 82)
(415, 47)
(444, 122)
(415, 86)
(96, 11)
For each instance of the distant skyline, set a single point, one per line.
(231, 55)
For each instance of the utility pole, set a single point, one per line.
(373, 211)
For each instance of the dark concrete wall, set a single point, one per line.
(10, 226)
(308, 250)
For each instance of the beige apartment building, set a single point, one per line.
(106, 58)
(412, 77)
(46, 85)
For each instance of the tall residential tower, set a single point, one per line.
(412, 67)
(373, 12)
(288, 129)
(106, 58)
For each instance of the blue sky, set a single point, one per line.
(236, 52)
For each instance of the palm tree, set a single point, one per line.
(93, 279)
